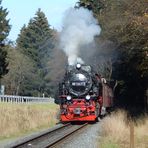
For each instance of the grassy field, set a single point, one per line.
(19, 119)
(116, 132)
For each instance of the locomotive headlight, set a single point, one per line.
(68, 98)
(78, 66)
(88, 97)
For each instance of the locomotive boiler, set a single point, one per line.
(82, 94)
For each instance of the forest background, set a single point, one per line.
(34, 65)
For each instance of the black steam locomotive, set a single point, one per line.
(81, 94)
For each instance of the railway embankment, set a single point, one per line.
(68, 135)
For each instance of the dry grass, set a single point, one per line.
(17, 119)
(116, 131)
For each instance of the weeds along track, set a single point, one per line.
(50, 138)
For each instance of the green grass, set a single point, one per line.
(109, 144)
(32, 105)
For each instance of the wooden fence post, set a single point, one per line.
(131, 134)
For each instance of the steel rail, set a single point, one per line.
(52, 138)
(20, 144)
(60, 140)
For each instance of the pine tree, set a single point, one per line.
(36, 40)
(4, 31)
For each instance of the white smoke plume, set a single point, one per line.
(79, 28)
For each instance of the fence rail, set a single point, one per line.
(24, 99)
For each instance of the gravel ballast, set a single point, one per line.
(85, 139)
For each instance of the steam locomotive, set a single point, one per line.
(83, 94)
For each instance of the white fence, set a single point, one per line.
(24, 99)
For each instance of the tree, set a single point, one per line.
(36, 41)
(4, 31)
(125, 24)
(21, 71)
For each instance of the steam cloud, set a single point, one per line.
(79, 29)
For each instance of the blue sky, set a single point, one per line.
(21, 11)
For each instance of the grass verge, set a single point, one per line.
(116, 131)
(20, 119)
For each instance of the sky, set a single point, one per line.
(21, 11)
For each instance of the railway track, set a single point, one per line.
(51, 138)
